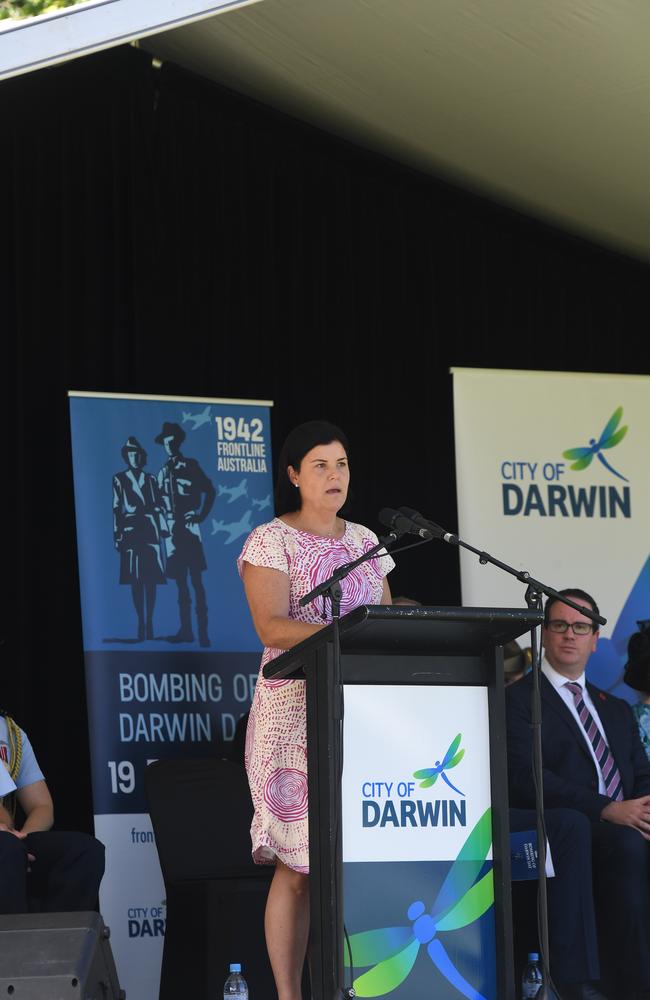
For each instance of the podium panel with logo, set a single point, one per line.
(408, 811)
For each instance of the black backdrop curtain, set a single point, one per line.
(163, 235)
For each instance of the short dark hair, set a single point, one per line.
(298, 442)
(577, 595)
(637, 669)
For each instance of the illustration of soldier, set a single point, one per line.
(188, 496)
(139, 527)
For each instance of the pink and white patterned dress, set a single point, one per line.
(276, 738)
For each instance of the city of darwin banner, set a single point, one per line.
(166, 491)
(417, 852)
(553, 477)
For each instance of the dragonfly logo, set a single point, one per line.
(610, 437)
(466, 894)
(429, 775)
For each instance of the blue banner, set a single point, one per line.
(166, 491)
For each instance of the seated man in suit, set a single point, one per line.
(571, 921)
(52, 871)
(593, 762)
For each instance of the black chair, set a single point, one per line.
(201, 813)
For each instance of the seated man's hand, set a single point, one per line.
(19, 835)
(10, 829)
(630, 812)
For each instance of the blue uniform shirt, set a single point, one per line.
(29, 771)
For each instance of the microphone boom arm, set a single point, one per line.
(524, 577)
(484, 557)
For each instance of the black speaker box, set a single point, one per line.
(56, 956)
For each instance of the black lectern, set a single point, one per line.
(420, 686)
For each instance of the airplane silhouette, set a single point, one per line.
(235, 529)
(234, 492)
(261, 504)
(198, 418)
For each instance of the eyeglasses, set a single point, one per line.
(578, 628)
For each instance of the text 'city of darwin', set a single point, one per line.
(413, 812)
(566, 501)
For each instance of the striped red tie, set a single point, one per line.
(604, 756)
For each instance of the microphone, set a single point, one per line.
(435, 531)
(402, 524)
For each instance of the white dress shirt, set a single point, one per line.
(558, 681)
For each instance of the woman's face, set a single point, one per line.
(323, 477)
(135, 459)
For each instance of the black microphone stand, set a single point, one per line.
(331, 589)
(533, 596)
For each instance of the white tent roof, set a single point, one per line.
(544, 104)
(31, 43)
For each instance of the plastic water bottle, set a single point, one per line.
(235, 987)
(532, 979)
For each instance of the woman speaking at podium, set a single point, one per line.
(281, 562)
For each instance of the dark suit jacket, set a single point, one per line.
(570, 775)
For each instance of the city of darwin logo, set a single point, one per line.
(429, 775)
(610, 437)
